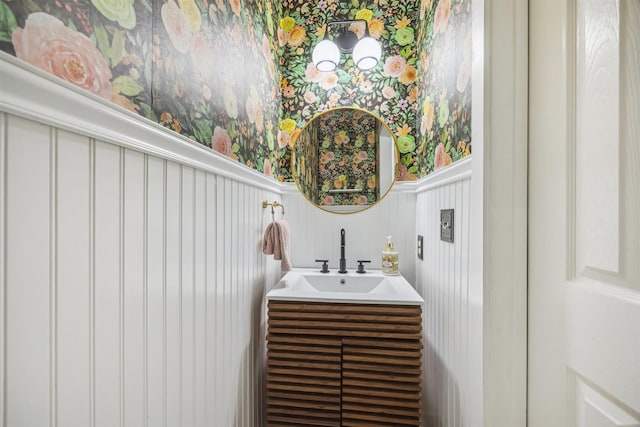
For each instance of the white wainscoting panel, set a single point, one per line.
(132, 286)
(315, 233)
(449, 318)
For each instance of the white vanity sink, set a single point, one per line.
(371, 287)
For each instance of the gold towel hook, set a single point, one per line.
(273, 205)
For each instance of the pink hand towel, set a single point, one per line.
(283, 239)
(268, 240)
(276, 242)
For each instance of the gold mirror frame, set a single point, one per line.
(352, 186)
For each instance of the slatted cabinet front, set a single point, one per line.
(343, 364)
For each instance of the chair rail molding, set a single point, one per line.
(31, 93)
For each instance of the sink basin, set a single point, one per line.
(350, 284)
(371, 287)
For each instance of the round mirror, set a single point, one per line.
(344, 160)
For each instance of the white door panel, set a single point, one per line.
(584, 205)
(593, 409)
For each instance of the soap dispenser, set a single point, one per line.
(389, 259)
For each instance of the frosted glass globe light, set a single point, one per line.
(326, 55)
(366, 53)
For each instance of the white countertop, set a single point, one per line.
(372, 287)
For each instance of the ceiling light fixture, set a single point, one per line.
(366, 51)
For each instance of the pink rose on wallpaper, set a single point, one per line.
(441, 159)
(334, 98)
(46, 43)
(388, 92)
(312, 74)
(266, 48)
(283, 138)
(309, 97)
(394, 66)
(201, 58)
(366, 86)
(438, 158)
(401, 172)
(329, 80)
(267, 168)
(177, 26)
(221, 142)
(442, 16)
(328, 201)
(362, 200)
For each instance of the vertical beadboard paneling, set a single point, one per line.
(200, 299)
(186, 297)
(233, 290)
(107, 284)
(29, 281)
(211, 306)
(173, 207)
(220, 304)
(133, 287)
(443, 280)
(155, 234)
(73, 314)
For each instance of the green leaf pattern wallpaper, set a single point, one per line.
(388, 90)
(237, 76)
(307, 163)
(443, 129)
(207, 69)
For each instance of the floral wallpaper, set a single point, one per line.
(388, 90)
(348, 146)
(236, 75)
(443, 128)
(306, 162)
(206, 69)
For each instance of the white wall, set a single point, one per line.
(451, 322)
(131, 286)
(315, 233)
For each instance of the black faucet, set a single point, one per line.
(343, 261)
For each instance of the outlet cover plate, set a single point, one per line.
(446, 225)
(420, 246)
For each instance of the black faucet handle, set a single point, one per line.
(361, 265)
(325, 266)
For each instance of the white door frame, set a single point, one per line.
(500, 191)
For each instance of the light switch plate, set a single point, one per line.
(420, 246)
(446, 225)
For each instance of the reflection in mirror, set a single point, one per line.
(344, 160)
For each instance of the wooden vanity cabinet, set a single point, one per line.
(335, 364)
